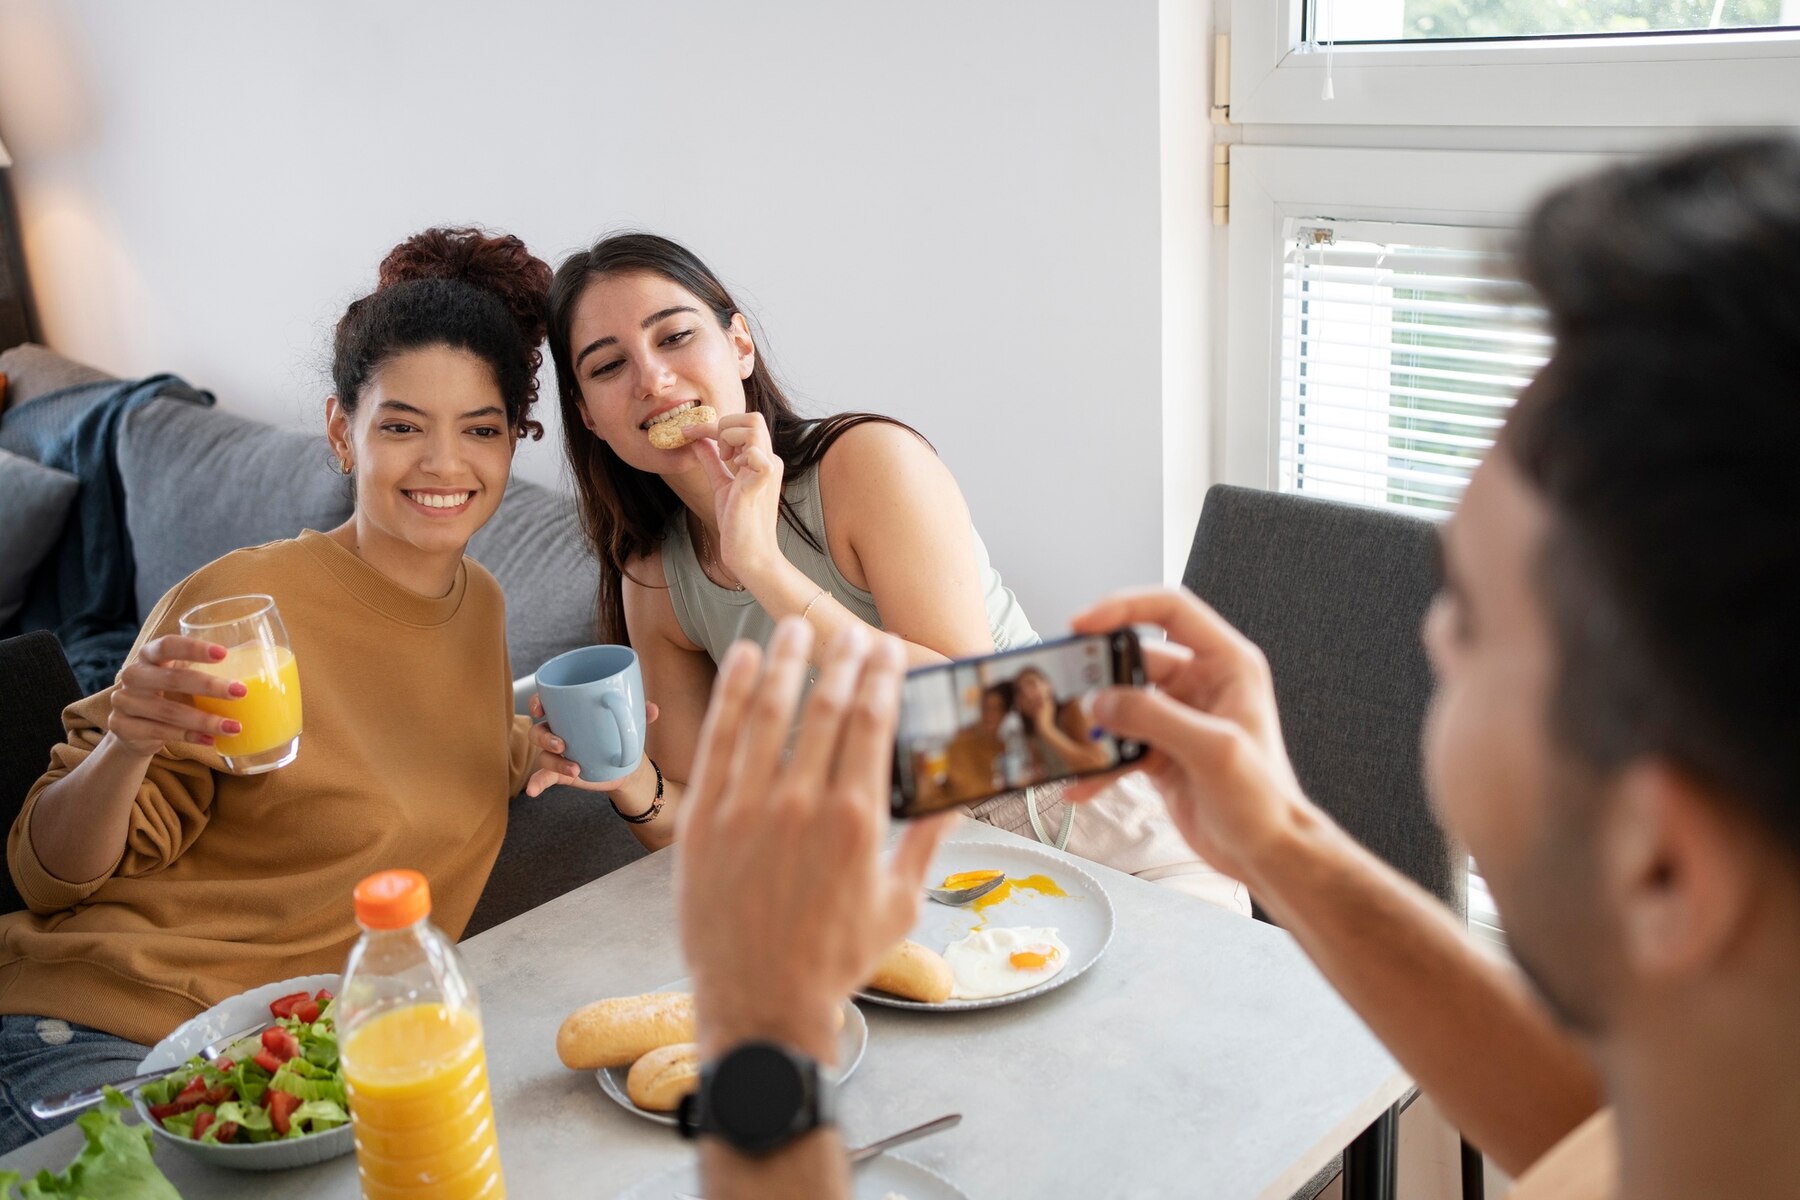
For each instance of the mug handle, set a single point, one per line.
(631, 738)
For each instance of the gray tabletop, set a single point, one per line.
(1203, 1055)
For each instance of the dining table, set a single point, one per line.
(1201, 1055)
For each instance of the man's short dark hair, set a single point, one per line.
(1664, 435)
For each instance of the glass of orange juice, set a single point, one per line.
(257, 655)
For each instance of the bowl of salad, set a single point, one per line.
(273, 1100)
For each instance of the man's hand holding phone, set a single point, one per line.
(1216, 749)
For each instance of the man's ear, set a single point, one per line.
(743, 343)
(1681, 867)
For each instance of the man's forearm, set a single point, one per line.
(813, 1166)
(1467, 1027)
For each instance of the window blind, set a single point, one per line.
(1402, 347)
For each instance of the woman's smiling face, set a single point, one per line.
(644, 345)
(431, 447)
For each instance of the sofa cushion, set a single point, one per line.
(36, 501)
(32, 371)
(200, 483)
(555, 842)
(534, 547)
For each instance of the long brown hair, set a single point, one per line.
(625, 511)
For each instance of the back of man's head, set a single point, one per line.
(1664, 437)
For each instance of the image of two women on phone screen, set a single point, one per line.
(1027, 728)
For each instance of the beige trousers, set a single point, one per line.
(1126, 827)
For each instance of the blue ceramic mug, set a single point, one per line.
(594, 700)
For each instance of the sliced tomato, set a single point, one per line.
(307, 1011)
(267, 1061)
(279, 1042)
(284, 1007)
(202, 1123)
(224, 1065)
(228, 1131)
(322, 996)
(195, 1087)
(216, 1096)
(281, 1108)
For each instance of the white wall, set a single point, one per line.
(946, 211)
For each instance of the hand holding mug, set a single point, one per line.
(553, 769)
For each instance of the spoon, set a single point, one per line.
(959, 896)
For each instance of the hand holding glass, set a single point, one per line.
(257, 654)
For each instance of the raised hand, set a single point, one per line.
(152, 705)
(1215, 738)
(746, 476)
(786, 903)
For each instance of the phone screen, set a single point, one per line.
(976, 728)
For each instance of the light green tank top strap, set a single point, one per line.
(714, 617)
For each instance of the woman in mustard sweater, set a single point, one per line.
(158, 882)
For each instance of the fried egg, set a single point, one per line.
(999, 962)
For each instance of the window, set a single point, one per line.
(1402, 346)
(1368, 21)
(1518, 64)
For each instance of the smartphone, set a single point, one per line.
(978, 727)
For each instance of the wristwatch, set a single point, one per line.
(758, 1097)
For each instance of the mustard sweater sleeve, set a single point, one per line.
(169, 812)
(522, 755)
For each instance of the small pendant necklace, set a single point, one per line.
(706, 555)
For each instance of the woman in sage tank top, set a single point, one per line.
(759, 515)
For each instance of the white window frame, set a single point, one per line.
(1671, 80)
(1269, 184)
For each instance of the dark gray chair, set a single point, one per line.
(1334, 594)
(35, 686)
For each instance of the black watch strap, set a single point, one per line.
(758, 1097)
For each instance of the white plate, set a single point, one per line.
(853, 1039)
(873, 1180)
(240, 1012)
(1083, 918)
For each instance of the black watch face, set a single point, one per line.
(756, 1095)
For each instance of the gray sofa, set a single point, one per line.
(200, 482)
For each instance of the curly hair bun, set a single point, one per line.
(498, 263)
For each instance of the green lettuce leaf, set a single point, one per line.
(252, 1120)
(115, 1163)
(298, 1077)
(316, 1116)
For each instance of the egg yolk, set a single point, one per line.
(1033, 960)
(967, 879)
(1042, 884)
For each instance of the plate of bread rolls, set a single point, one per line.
(1044, 926)
(642, 1049)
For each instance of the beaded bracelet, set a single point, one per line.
(648, 814)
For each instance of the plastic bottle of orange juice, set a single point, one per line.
(409, 1032)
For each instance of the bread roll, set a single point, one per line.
(912, 972)
(671, 433)
(662, 1077)
(618, 1032)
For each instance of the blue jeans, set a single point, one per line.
(42, 1056)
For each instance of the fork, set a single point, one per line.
(68, 1102)
(968, 895)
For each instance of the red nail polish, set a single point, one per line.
(233, 727)
(239, 691)
(217, 653)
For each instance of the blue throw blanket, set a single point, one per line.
(84, 592)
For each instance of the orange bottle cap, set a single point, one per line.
(392, 900)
